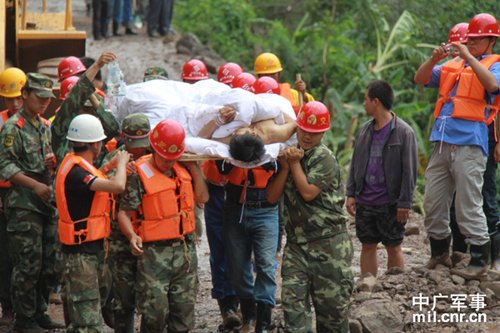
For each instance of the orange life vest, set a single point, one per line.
(168, 205)
(98, 221)
(468, 103)
(4, 116)
(239, 177)
(212, 174)
(286, 92)
(111, 145)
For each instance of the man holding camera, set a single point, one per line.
(468, 86)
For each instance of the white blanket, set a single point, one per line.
(194, 105)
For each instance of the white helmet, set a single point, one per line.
(85, 128)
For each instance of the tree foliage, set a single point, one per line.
(338, 46)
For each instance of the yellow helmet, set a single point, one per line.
(11, 82)
(267, 63)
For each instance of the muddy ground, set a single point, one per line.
(388, 308)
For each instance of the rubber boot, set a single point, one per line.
(229, 312)
(264, 312)
(124, 323)
(495, 249)
(478, 265)
(247, 307)
(440, 253)
(116, 26)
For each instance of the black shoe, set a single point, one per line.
(264, 312)
(46, 322)
(115, 29)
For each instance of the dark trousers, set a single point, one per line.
(100, 19)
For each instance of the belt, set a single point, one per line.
(173, 242)
(259, 204)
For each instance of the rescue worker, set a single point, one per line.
(11, 81)
(193, 71)
(155, 73)
(27, 161)
(268, 64)
(164, 194)
(122, 263)
(251, 225)
(69, 66)
(244, 81)
(228, 72)
(318, 253)
(467, 87)
(84, 204)
(222, 290)
(74, 104)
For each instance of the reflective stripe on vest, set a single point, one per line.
(98, 221)
(4, 116)
(468, 103)
(168, 204)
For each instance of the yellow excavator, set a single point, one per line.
(33, 40)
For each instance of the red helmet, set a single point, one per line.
(70, 66)
(228, 72)
(66, 86)
(483, 24)
(244, 81)
(194, 70)
(266, 85)
(458, 33)
(167, 139)
(314, 117)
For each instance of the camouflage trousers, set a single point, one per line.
(167, 285)
(123, 267)
(321, 271)
(85, 287)
(5, 262)
(32, 246)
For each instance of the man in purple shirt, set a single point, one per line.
(382, 179)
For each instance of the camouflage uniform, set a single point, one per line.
(31, 227)
(155, 73)
(70, 108)
(122, 263)
(167, 280)
(318, 253)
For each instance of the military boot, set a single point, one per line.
(124, 323)
(247, 307)
(478, 265)
(27, 325)
(264, 312)
(440, 253)
(495, 248)
(228, 309)
(48, 323)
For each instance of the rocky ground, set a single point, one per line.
(384, 305)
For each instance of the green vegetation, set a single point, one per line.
(338, 46)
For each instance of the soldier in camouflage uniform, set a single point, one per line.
(74, 105)
(122, 263)
(26, 159)
(318, 253)
(167, 280)
(155, 73)
(11, 82)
